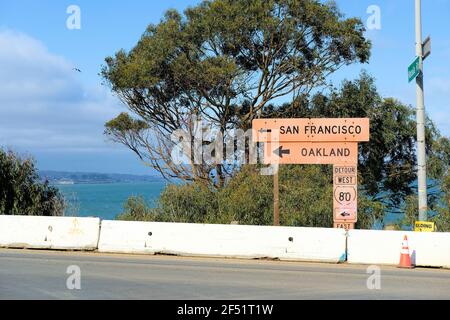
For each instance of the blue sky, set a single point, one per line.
(57, 115)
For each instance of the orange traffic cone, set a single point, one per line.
(405, 259)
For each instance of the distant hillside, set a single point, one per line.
(61, 177)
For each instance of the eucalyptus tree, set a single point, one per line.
(224, 62)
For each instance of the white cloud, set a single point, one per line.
(43, 105)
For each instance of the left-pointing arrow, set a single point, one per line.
(345, 214)
(265, 131)
(280, 152)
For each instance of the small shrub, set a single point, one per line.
(22, 193)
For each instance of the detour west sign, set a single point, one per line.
(345, 193)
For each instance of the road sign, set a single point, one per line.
(423, 226)
(318, 141)
(345, 193)
(344, 225)
(310, 153)
(414, 69)
(311, 130)
(426, 48)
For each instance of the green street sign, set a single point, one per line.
(414, 69)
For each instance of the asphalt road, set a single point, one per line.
(42, 275)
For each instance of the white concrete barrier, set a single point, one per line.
(383, 247)
(234, 241)
(63, 233)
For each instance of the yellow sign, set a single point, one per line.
(423, 226)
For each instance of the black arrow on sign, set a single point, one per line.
(265, 131)
(280, 152)
(345, 214)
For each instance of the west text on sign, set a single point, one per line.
(311, 130)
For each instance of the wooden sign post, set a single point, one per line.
(318, 141)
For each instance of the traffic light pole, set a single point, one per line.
(421, 151)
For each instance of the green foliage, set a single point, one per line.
(178, 203)
(21, 193)
(386, 170)
(224, 61)
(194, 202)
(442, 218)
(438, 165)
(124, 123)
(305, 200)
(135, 209)
(387, 163)
(247, 198)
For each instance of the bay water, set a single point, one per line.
(106, 200)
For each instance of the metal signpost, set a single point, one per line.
(318, 141)
(421, 147)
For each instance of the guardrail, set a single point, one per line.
(63, 233)
(233, 241)
(236, 241)
(383, 247)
